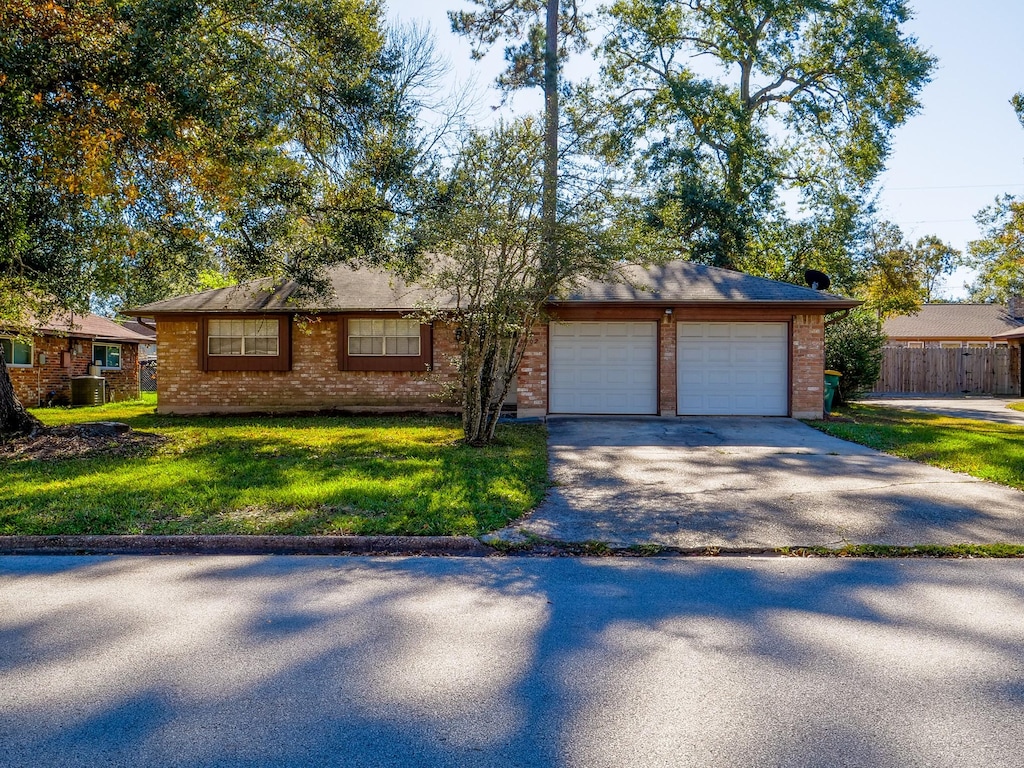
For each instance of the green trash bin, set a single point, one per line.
(831, 387)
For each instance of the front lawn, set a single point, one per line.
(983, 449)
(1016, 406)
(263, 475)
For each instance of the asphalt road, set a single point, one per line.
(288, 661)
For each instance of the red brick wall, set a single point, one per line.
(532, 395)
(667, 370)
(316, 383)
(42, 383)
(313, 383)
(808, 367)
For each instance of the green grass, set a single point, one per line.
(278, 475)
(1016, 406)
(983, 449)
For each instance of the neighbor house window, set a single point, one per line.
(106, 355)
(248, 338)
(950, 344)
(383, 338)
(915, 344)
(977, 345)
(17, 353)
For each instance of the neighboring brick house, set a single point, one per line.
(680, 339)
(953, 326)
(144, 326)
(41, 369)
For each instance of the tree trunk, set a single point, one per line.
(549, 201)
(14, 419)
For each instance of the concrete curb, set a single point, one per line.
(464, 546)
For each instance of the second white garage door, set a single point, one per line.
(603, 367)
(733, 369)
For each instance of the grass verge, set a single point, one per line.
(1016, 406)
(982, 449)
(278, 475)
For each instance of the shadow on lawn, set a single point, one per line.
(547, 663)
(285, 481)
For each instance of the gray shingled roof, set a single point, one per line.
(686, 282)
(350, 289)
(368, 289)
(952, 321)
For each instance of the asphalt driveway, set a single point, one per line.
(983, 408)
(753, 482)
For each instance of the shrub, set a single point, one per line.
(853, 346)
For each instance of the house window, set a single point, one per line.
(248, 338)
(1002, 344)
(383, 338)
(18, 354)
(915, 344)
(977, 345)
(950, 344)
(107, 355)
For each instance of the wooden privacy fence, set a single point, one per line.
(933, 370)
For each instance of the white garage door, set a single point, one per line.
(733, 369)
(603, 367)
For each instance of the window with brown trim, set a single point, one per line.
(250, 338)
(384, 344)
(245, 343)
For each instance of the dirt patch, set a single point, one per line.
(80, 440)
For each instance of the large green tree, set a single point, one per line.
(733, 103)
(145, 141)
(488, 259)
(541, 33)
(998, 256)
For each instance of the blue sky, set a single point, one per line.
(961, 150)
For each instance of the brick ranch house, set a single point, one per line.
(679, 339)
(41, 368)
(956, 326)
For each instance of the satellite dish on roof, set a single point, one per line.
(817, 280)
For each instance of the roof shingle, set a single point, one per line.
(952, 321)
(368, 289)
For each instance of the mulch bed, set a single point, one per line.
(80, 440)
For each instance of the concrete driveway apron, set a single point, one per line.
(750, 483)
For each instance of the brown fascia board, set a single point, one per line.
(189, 314)
(825, 307)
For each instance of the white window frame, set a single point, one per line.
(248, 340)
(103, 366)
(951, 345)
(377, 328)
(31, 352)
(915, 345)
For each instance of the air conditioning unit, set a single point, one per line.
(88, 390)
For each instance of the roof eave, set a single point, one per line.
(832, 305)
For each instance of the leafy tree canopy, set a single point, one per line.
(143, 141)
(999, 255)
(732, 102)
(487, 252)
